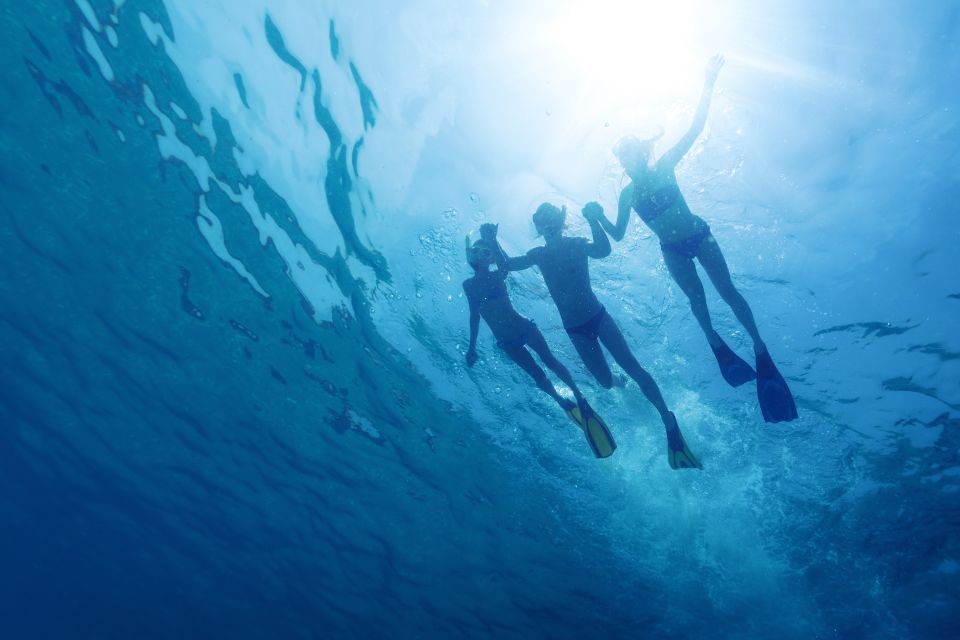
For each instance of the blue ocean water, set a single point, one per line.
(234, 401)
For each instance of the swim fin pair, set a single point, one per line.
(678, 453)
(776, 401)
(598, 434)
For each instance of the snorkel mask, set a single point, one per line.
(476, 251)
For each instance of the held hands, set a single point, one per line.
(713, 68)
(471, 357)
(488, 231)
(592, 211)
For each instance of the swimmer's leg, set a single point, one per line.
(589, 349)
(522, 357)
(615, 343)
(684, 273)
(679, 455)
(536, 341)
(712, 260)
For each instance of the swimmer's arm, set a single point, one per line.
(618, 230)
(489, 233)
(600, 247)
(516, 264)
(672, 157)
(504, 262)
(500, 257)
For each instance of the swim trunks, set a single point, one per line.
(591, 327)
(689, 247)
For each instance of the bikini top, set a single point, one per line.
(649, 205)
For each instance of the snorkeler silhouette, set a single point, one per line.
(563, 262)
(487, 296)
(654, 194)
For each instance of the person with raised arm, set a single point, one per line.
(654, 194)
(563, 262)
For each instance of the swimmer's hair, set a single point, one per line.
(548, 215)
(628, 144)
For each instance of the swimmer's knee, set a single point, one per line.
(632, 366)
(726, 289)
(695, 294)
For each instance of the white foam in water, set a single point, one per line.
(89, 14)
(180, 113)
(90, 42)
(153, 30)
(246, 165)
(310, 279)
(172, 147)
(212, 231)
(280, 137)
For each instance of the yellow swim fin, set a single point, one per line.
(598, 434)
(678, 453)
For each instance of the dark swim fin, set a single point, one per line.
(734, 369)
(598, 434)
(678, 453)
(776, 401)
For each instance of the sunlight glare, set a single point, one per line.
(626, 49)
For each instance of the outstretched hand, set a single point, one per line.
(713, 68)
(488, 231)
(471, 357)
(592, 211)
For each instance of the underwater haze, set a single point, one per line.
(234, 397)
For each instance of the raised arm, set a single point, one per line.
(618, 230)
(600, 247)
(675, 154)
(504, 262)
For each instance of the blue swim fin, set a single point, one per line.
(598, 434)
(734, 369)
(776, 401)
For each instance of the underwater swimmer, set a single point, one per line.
(487, 296)
(563, 262)
(654, 194)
